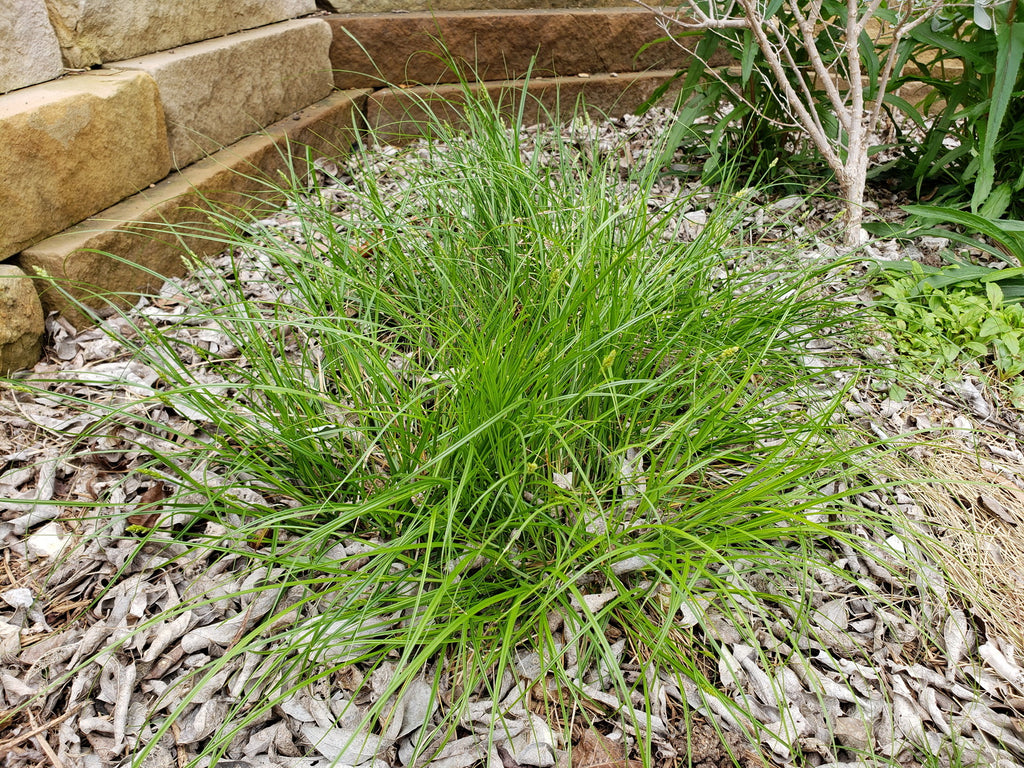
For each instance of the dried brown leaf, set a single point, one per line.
(595, 750)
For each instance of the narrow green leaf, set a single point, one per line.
(1004, 276)
(944, 42)
(957, 276)
(1004, 236)
(907, 266)
(1013, 291)
(659, 93)
(906, 108)
(1011, 225)
(995, 204)
(1010, 50)
(869, 56)
(750, 51)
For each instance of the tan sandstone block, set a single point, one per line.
(397, 115)
(98, 31)
(217, 91)
(73, 147)
(29, 52)
(138, 233)
(21, 320)
(496, 45)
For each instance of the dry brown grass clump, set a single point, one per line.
(977, 514)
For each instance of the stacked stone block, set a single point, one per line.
(604, 59)
(151, 231)
(251, 79)
(29, 51)
(73, 147)
(180, 81)
(430, 6)
(495, 45)
(95, 32)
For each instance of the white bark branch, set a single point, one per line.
(847, 153)
(806, 27)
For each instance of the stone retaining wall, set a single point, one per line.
(119, 117)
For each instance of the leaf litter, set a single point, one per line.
(109, 645)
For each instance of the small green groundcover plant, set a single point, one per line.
(490, 389)
(954, 319)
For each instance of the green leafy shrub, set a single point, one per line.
(728, 122)
(812, 73)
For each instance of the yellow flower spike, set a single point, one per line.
(609, 360)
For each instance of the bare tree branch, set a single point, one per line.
(664, 20)
(837, 72)
(806, 27)
(701, 21)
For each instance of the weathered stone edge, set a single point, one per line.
(70, 148)
(241, 176)
(380, 49)
(216, 91)
(397, 114)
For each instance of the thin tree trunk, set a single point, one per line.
(849, 159)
